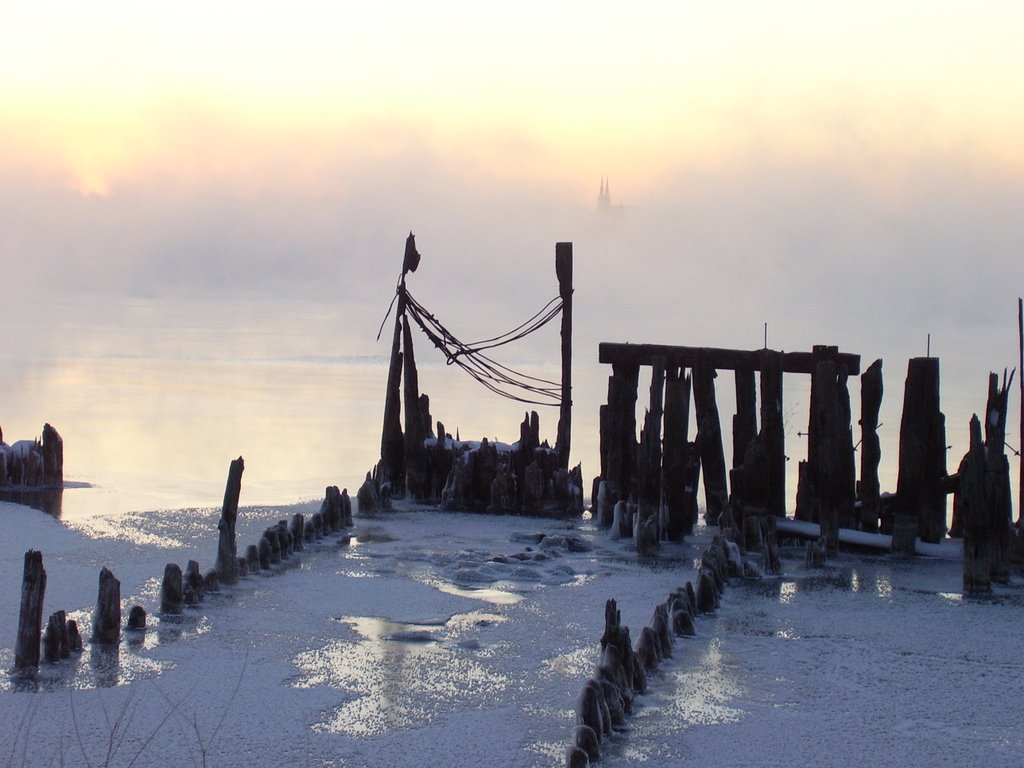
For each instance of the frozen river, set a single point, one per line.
(453, 639)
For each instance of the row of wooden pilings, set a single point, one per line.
(659, 474)
(276, 545)
(608, 697)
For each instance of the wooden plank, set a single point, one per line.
(613, 353)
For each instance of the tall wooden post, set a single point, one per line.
(392, 444)
(227, 550)
(620, 425)
(773, 434)
(920, 499)
(1020, 341)
(680, 497)
(563, 270)
(30, 620)
(977, 521)
(744, 422)
(998, 494)
(870, 448)
(649, 466)
(709, 442)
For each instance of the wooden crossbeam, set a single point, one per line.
(720, 359)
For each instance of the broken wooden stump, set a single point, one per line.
(106, 626)
(869, 490)
(30, 621)
(227, 551)
(136, 618)
(56, 642)
(172, 593)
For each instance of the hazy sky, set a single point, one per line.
(807, 162)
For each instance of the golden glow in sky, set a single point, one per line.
(107, 91)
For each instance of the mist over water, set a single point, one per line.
(166, 329)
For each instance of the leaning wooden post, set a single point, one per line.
(563, 270)
(870, 448)
(227, 551)
(30, 621)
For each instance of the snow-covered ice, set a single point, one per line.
(457, 639)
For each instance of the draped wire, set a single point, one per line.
(498, 378)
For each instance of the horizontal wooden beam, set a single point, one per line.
(720, 359)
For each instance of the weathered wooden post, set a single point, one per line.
(53, 456)
(227, 550)
(621, 428)
(172, 591)
(675, 462)
(392, 448)
(998, 493)
(709, 442)
(106, 626)
(417, 477)
(831, 462)
(649, 467)
(920, 500)
(744, 422)
(30, 620)
(773, 435)
(563, 270)
(870, 447)
(1020, 381)
(976, 517)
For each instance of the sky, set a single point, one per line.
(848, 174)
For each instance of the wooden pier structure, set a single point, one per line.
(430, 466)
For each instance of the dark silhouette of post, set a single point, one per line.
(392, 442)
(563, 270)
(227, 549)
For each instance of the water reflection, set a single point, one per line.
(49, 499)
(399, 675)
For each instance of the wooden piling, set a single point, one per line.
(563, 270)
(417, 471)
(920, 499)
(998, 493)
(106, 628)
(649, 467)
(773, 435)
(744, 422)
(831, 462)
(227, 549)
(709, 443)
(620, 424)
(676, 459)
(30, 619)
(977, 520)
(870, 447)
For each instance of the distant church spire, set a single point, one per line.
(604, 197)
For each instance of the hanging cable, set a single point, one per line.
(498, 378)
